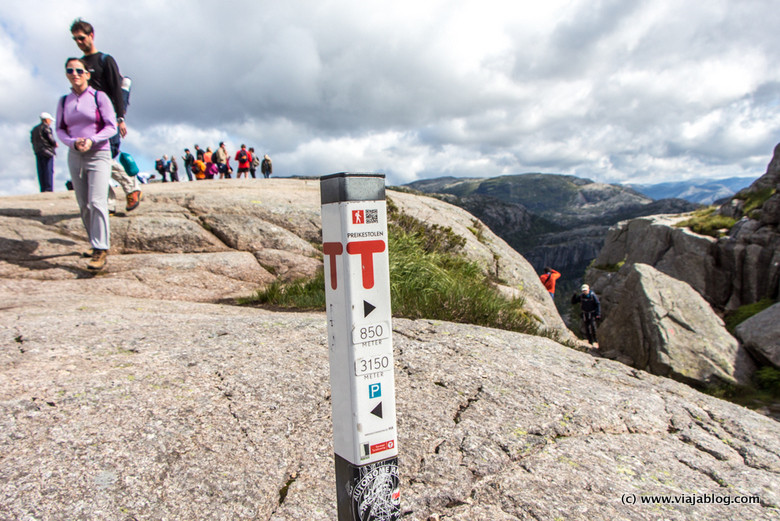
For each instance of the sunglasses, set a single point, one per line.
(77, 72)
(79, 38)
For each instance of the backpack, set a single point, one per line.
(242, 156)
(128, 163)
(158, 165)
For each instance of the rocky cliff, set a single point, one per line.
(552, 220)
(740, 268)
(134, 394)
(637, 274)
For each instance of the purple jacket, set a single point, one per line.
(89, 115)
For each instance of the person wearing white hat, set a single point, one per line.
(44, 145)
(590, 308)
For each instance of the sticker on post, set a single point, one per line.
(372, 364)
(370, 332)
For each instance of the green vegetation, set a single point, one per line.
(430, 278)
(764, 391)
(611, 268)
(303, 294)
(707, 222)
(754, 200)
(742, 313)
(768, 380)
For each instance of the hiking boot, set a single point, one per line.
(133, 200)
(88, 254)
(98, 261)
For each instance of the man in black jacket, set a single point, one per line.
(591, 311)
(44, 146)
(105, 76)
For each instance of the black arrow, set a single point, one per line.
(377, 410)
(367, 308)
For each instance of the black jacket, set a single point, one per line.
(43, 142)
(589, 302)
(105, 76)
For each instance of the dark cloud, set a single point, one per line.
(610, 90)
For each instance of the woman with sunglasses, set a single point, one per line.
(85, 122)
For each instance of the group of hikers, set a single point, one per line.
(590, 306)
(90, 122)
(214, 165)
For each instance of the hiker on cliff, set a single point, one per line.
(188, 159)
(105, 77)
(255, 162)
(44, 146)
(244, 158)
(266, 167)
(548, 278)
(163, 166)
(590, 308)
(85, 122)
(220, 158)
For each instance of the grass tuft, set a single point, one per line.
(707, 222)
(429, 278)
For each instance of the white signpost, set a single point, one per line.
(357, 290)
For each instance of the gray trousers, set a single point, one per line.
(90, 172)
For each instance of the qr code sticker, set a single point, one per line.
(372, 216)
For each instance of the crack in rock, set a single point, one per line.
(463, 408)
(229, 396)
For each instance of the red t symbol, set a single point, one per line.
(366, 250)
(331, 249)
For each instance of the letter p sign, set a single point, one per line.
(375, 390)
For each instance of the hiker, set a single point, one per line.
(44, 146)
(199, 154)
(188, 159)
(590, 309)
(211, 170)
(244, 159)
(199, 169)
(255, 162)
(105, 77)
(266, 167)
(220, 158)
(548, 279)
(163, 166)
(85, 123)
(173, 168)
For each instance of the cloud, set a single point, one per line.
(610, 90)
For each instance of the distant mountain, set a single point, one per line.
(552, 220)
(701, 191)
(562, 201)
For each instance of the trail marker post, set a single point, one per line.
(357, 293)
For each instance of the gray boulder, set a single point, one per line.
(761, 335)
(663, 326)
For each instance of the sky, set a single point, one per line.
(611, 90)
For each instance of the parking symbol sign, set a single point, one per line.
(375, 390)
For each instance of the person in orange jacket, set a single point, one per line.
(548, 279)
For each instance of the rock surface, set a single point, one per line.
(761, 335)
(663, 326)
(208, 242)
(127, 396)
(119, 408)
